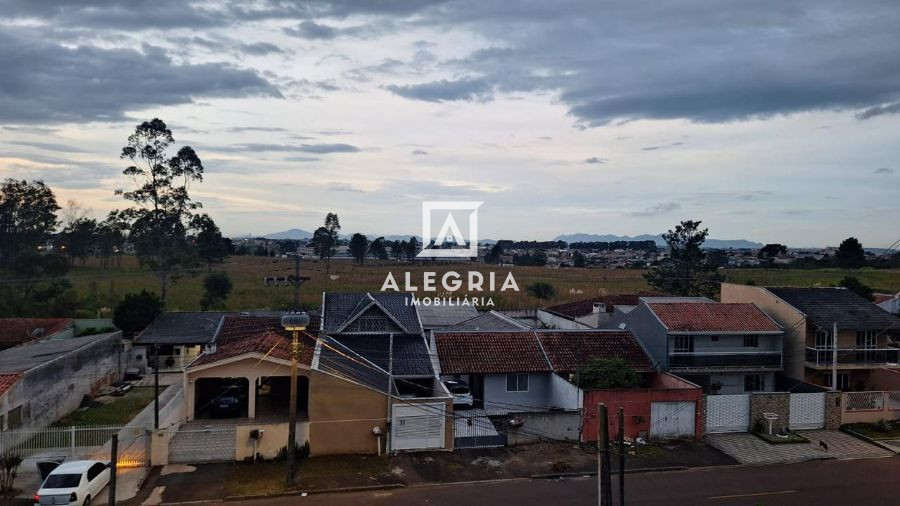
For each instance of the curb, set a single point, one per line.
(641, 470)
(867, 439)
(336, 490)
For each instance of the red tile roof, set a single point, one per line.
(563, 348)
(490, 352)
(15, 331)
(241, 334)
(713, 317)
(884, 297)
(586, 306)
(271, 344)
(7, 381)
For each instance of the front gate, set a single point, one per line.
(727, 413)
(76, 443)
(807, 411)
(670, 420)
(474, 429)
(195, 443)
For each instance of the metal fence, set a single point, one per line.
(865, 401)
(70, 443)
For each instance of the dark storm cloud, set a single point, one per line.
(134, 14)
(595, 159)
(52, 83)
(470, 89)
(884, 170)
(419, 152)
(702, 61)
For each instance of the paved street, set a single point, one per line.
(871, 481)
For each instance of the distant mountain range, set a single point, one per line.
(710, 243)
(298, 233)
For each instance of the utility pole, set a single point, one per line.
(621, 456)
(834, 357)
(604, 494)
(156, 386)
(292, 417)
(113, 466)
(297, 281)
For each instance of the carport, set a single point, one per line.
(209, 391)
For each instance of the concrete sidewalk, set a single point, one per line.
(749, 449)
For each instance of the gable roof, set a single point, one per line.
(490, 321)
(434, 317)
(713, 317)
(564, 348)
(15, 331)
(340, 309)
(827, 306)
(585, 307)
(270, 344)
(7, 381)
(490, 352)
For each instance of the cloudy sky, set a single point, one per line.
(768, 120)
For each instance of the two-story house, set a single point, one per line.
(724, 348)
(867, 352)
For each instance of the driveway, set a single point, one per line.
(749, 449)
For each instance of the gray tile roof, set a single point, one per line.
(182, 328)
(491, 321)
(341, 308)
(410, 355)
(826, 306)
(337, 359)
(435, 317)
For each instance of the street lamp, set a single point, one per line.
(294, 323)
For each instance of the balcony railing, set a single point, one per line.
(853, 356)
(724, 360)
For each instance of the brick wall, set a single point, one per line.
(778, 403)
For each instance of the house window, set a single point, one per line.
(372, 324)
(751, 341)
(823, 340)
(843, 380)
(517, 382)
(866, 339)
(754, 383)
(714, 339)
(684, 344)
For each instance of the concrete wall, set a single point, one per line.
(884, 379)
(48, 392)
(554, 321)
(496, 398)
(342, 415)
(793, 321)
(733, 383)
(563, 394)
(778, 403)
(559, 425)
(637, 404)
(650, 332)
(273, 440)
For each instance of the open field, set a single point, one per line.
(247, 273)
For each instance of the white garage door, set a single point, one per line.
(807, 411)
(418, 426)
(670, 420)
(727, 413)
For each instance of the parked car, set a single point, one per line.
(462, 396)
(74, 483)
(227, 406)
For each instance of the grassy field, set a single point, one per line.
(247, 273)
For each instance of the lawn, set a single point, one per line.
(116, 412)
(250, 292)
(887, 430)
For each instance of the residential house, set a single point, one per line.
(490, 321)
(592, 313)
(867, 351)
(889, 302)
(43, 380)
(443, 316)
(16, 331)
(724, 348)
(517, 370)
